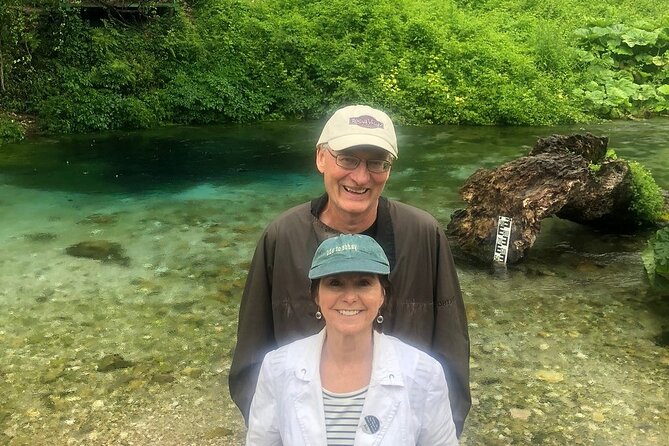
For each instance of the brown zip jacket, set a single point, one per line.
(425, 307)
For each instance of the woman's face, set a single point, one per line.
(350, 302)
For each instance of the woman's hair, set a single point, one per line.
(385, 284)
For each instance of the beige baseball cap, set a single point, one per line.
(359, 125)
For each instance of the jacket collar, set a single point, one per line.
(307, 367)
(385, 363)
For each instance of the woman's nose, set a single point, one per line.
(350, 295)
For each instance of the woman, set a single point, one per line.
(349, 384)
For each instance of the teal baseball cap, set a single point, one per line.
(349, 253)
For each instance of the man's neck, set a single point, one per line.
(347, 223)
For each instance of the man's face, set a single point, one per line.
(354, 192)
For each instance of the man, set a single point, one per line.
(354, 154)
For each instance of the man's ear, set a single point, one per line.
(320, 159)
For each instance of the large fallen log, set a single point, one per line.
(505, 205)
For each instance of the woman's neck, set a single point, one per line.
(346, 361)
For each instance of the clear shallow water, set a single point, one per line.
(566, 347)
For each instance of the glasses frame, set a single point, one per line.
(386, 164)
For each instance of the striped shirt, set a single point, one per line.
(342, 415)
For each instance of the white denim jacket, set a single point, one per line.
(407, 400)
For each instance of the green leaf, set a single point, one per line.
(660, 244)
(648, 257)
(660, 60)
(644, 93)
(638, 37)
(622, 50)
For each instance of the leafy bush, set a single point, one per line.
(514, 62)
(626, 70)
(656, 257)
(11, 129)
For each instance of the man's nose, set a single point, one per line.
(360, 174)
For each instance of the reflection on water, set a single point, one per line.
(567, 347)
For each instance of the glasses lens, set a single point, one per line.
(348, 161)
(378, 166)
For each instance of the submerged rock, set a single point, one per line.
(520, 414)
(113, 362)
(100, 219)
(40, 237)
(549, 376)
(102, 250)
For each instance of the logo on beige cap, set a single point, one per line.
(366, 121)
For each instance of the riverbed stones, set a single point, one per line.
(520, 414)
(146, 286)
(550, 376)
(113, 362)
(100, 219)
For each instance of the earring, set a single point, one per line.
(319, 315)
(379, 319)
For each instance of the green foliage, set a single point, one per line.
(626, 70)
(11, 129)
(514, 62)
(18, 41)
(610, 155)
(647, 201)
(594, 168)
(656, 258)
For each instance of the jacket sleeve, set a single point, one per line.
(255, 331)
(437, 424)
(450, 342)
(263, 417)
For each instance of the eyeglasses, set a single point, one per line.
(350, 162)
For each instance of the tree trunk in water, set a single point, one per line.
(555, 179)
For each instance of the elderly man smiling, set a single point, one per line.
(354, 153)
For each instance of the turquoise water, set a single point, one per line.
(567, 347)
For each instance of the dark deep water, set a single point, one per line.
(567, 348)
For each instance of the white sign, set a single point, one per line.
(503, 239)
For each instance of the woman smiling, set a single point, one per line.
(349, 384)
